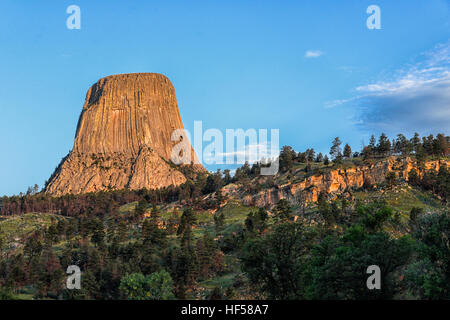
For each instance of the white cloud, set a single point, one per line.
(253, 152)
(416, 97)
(313, 54)
(338, 102)
(413, 80)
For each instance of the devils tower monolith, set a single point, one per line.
(123, 137)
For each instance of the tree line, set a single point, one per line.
(415, 146)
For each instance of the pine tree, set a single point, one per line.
(416, 144)
(122, 232)
(187, 220)
(428, 144)
(335, 150)
(286, 158)
(440, 145)
(152, 235)
(372, 142)
(206, 249)
(347, 151)
(226, 176)
(282, 210)
(301, 157)
(310, 154)
(213, 182)
(98, 234)
(384, 145)
(319, 157)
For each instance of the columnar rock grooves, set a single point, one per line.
(123, 137)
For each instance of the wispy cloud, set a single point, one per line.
(253, 152)
(416, 96)
(250, 152)
(313, 54)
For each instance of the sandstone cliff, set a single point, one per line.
(332, 182)
(123, 137)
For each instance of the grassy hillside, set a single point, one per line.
(138, 237)
(13, 230)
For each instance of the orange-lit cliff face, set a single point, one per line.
(123, 137)
(335, 181)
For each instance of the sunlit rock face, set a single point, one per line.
(123, 137)
(336, 181)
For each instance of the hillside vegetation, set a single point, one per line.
(214, 238)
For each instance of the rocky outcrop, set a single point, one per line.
(123, 137)
(335, 182)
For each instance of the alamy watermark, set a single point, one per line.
(74, 20)
(374, 281)
(74, 278)
(374, 20)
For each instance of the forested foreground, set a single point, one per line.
(196, 242)
(129, 256)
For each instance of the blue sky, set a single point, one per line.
(310, 68)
